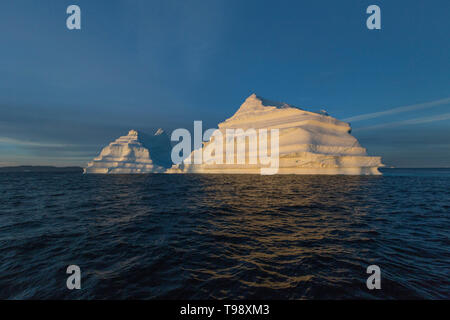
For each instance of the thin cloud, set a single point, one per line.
(441, 117)
(31, 143)
(398, 110)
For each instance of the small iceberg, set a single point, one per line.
(134, 153)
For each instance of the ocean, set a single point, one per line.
(225, 236)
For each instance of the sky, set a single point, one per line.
(65, 94)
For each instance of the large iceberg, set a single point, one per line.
(309, 142)
(134, 153)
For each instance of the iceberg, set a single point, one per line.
(134, 153)
(309, 142)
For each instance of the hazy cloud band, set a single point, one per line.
(398, 110)
(441, 117)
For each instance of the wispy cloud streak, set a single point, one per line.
(441, 117)
(424, 105)
(5, 140)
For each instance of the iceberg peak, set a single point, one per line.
(133, 133)
(135, 152)
(158, 132)
(253, 96)
(258, 100)
(256, 105)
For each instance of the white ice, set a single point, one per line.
(134, 153)
(309, 142)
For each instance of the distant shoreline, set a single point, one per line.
(75, 169)
(414, 168)
(41, 169)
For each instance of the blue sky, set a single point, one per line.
(147, 64)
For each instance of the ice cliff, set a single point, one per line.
(134, 153)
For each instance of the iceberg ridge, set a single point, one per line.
(133, 153)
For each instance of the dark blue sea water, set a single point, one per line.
(225, 236)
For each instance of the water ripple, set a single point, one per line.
(223, 236)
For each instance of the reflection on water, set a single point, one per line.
(224, 236)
